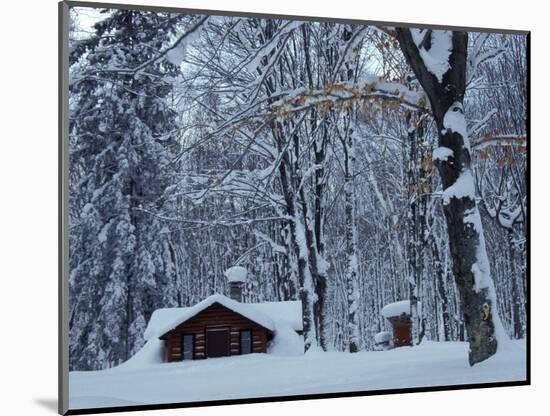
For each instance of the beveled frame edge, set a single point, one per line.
(63, 211)
(63, 208)
(125, 6)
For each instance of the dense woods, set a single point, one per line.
(347, 166)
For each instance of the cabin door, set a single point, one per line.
(217, 342)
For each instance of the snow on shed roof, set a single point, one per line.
(266, 314)
(396, 309)
(236, 274)
(399, 308)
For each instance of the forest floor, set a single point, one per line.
(264, 375)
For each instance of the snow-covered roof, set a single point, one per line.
(159, 319)
(236, 274)
(396, 309)
(289, 312)
(267, 314)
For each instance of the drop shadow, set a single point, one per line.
(47, 403)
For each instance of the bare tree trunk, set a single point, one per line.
(317, 286)
(414, 237)
(467, 245)
(313, 221)
(321, 283)
(353, 343)
(297, 237)
(515, 301)
(352, 273)
(440, 287)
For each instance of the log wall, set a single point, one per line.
(215, 316)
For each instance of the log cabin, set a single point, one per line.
(220, 326)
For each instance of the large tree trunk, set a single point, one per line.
(353, 341)
(352, 272)
(415, 236)
(318, 250)
(299, 247)
(445, 90)
(321, 283)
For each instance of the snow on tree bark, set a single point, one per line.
(352, 271)
(470, 265)
(417, 187)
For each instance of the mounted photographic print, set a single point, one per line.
(259, 208)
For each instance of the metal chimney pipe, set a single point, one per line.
(236, 277)
(236, 290)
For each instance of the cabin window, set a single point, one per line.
(246, 341)
(187, 346)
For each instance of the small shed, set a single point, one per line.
(399, 316)
(219, 326)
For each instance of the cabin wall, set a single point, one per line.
(215, 316)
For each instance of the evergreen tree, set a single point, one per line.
(124, 136)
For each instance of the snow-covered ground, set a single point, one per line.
(264, 375)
